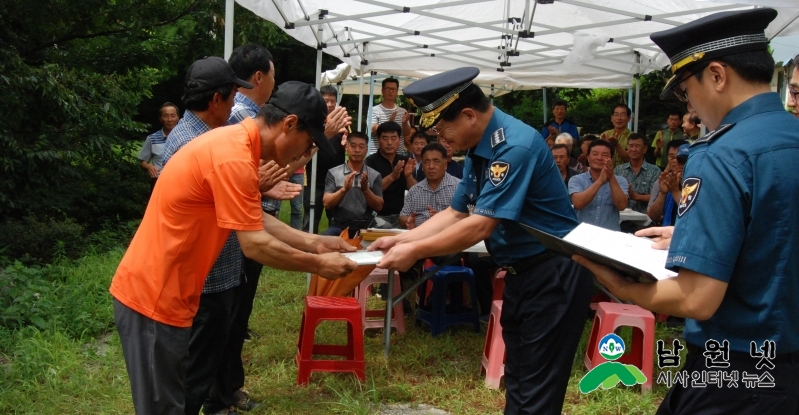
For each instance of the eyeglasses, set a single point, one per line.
(794, 95)
(680, 92)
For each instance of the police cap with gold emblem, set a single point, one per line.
(434, 94)
(712, 37)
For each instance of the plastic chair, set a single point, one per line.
(437, 317)
(609, 317)
(318, 309)
(362, 294)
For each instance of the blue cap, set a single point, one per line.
(682, 153)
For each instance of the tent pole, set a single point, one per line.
(492, 94)
(544, 89)
(312, 196)
(229, 27)
(360, 100)
(371, 147)
(637, 96)
(630, 105)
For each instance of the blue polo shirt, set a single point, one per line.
(601, 211)
(565, 127)
(737, 222)
(511, 175)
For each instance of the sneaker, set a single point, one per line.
(243, 401)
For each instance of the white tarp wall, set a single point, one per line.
(517, 44)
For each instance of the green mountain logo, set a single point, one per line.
(608, 374)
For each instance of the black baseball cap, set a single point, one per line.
(211, 72)
(711, 37)
(306, 102)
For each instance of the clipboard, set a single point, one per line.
(567, 249)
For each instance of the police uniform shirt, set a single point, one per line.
(511, 175)
(737, 222)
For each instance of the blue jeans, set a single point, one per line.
(296, 203)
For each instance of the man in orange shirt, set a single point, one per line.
(209, 188)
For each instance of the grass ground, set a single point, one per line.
(48, 372)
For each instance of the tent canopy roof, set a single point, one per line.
(517, 44)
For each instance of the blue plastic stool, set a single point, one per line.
(437, 317)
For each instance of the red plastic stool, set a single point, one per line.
(330, 308)
(499, 285)
(609, 317)
(362, 293)
(493, 361)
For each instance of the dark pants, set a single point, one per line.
(741, 400)
(318, 207)
(209, 337)
(231, 370)
(543, 315)
(154, 356)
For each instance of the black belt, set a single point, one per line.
(525, 264)
(780, 358)
(271, 212)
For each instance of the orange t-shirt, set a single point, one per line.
(207, 189)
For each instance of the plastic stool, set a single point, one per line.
(493, 361)
(437, 318)
(362, 293)
(318, 309)
(609, 317)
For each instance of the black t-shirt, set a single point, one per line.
(326, 161)
(394, 195)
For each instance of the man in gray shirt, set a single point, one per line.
(353, 190)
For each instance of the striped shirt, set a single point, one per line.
(226, 272)
(420, 196)
(381, 114)
(152, 151)
(244, 107)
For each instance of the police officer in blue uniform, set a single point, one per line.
(509, 178)
(735, 244)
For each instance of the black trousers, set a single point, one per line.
(231, 370)
(209, 337)
(782, 399)
(543, 314)
(154, 356)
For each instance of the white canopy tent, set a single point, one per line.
(516, 44)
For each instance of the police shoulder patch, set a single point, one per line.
(497, 137)
(690, 191)
(709, 137)
(498, 172)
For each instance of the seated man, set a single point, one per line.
(568, 140)
(667, 191)
(560, 152)
(434, 193)
(418, 141)
(598, 195)
(396, 171)
(352, 190)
